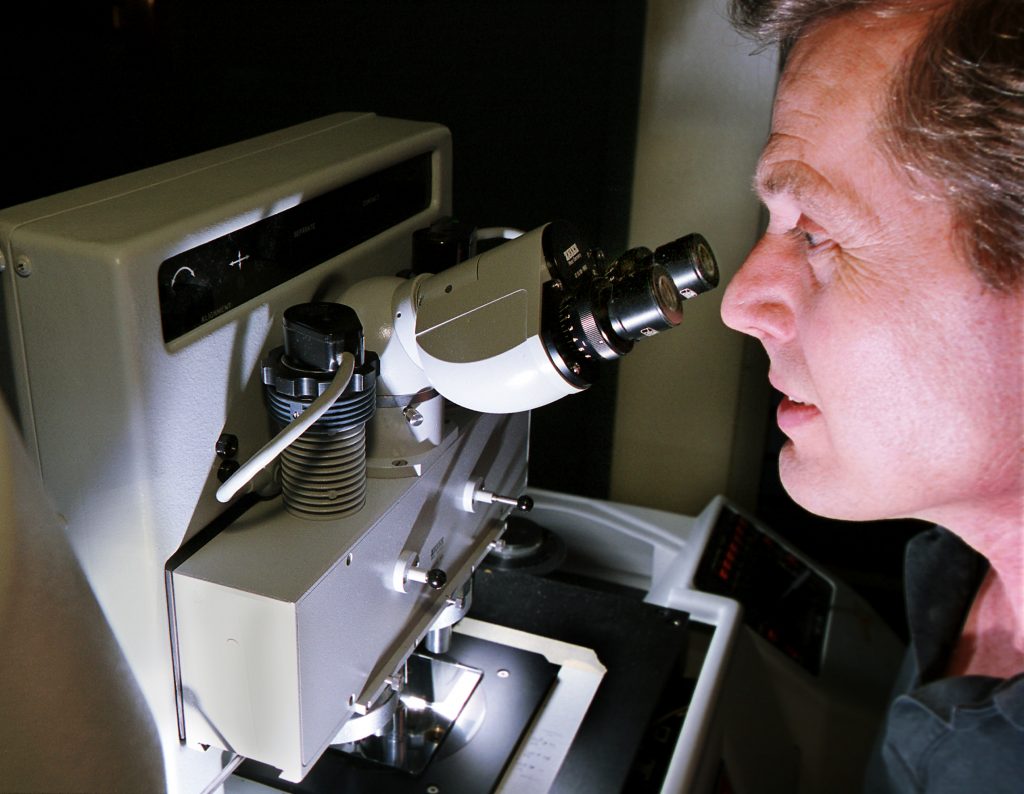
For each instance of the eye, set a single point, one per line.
(817, 243)
(807, 240)
(814, 238)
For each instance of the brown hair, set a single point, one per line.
(955, 114)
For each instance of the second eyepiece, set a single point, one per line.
(638, 294)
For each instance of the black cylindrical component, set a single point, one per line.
(444, 243)
(586, 333)
(226, 469)
(691, 264)
(316, 334)
(644, 303)
(227, 445)
(601, 312)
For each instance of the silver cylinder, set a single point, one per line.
(323, 473)
(439, 640)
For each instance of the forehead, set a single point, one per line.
(828, 106)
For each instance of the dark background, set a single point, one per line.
(541, 98)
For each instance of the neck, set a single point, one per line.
(993, 638)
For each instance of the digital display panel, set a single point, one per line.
(784, 600)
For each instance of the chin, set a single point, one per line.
(823, 491)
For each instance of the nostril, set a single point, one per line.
(758, 313)
(735, 308)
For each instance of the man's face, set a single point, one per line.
(902, 373)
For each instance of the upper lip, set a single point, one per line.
(780, 387)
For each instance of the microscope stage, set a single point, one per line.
(579, 720)
(472, 756)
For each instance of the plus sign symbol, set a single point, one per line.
(238, 260)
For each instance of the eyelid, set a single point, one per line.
(806, 224)
(817, 238)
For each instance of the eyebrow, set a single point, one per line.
(812, 190)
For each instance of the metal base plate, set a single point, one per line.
(473, 757)
(433, 703)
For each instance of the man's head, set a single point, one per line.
(888, 289)
(954, 110)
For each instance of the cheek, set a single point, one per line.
(903, 380)
(866, 367)
(852, 352)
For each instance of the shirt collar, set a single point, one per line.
(942, 576)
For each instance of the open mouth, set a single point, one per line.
(793, 413)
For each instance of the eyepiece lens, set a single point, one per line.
(600, 315)
(691, 263)
(644, 304)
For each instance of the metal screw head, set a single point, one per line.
(23, 267)
(436, 578)
(226, 469)
(227, 445)
(503, 673)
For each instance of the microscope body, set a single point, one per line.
(286, 627)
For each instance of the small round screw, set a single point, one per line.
(227, 468)
(227, 445)
(436, 578)
(23, 267)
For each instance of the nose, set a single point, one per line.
(761, 298)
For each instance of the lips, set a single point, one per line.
(792, 414)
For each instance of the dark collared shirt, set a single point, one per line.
(945, 735)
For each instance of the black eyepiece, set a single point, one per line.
(691, 264)
(644, 303)
(602, 311)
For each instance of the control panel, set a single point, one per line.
(784, 600)
(204, 282)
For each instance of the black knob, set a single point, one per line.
(436, 578)
(227, 445)
(441, 245)
(524, 503)
(226, 469)
(316, 334)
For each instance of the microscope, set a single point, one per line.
(400, 410)
(305, 391)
